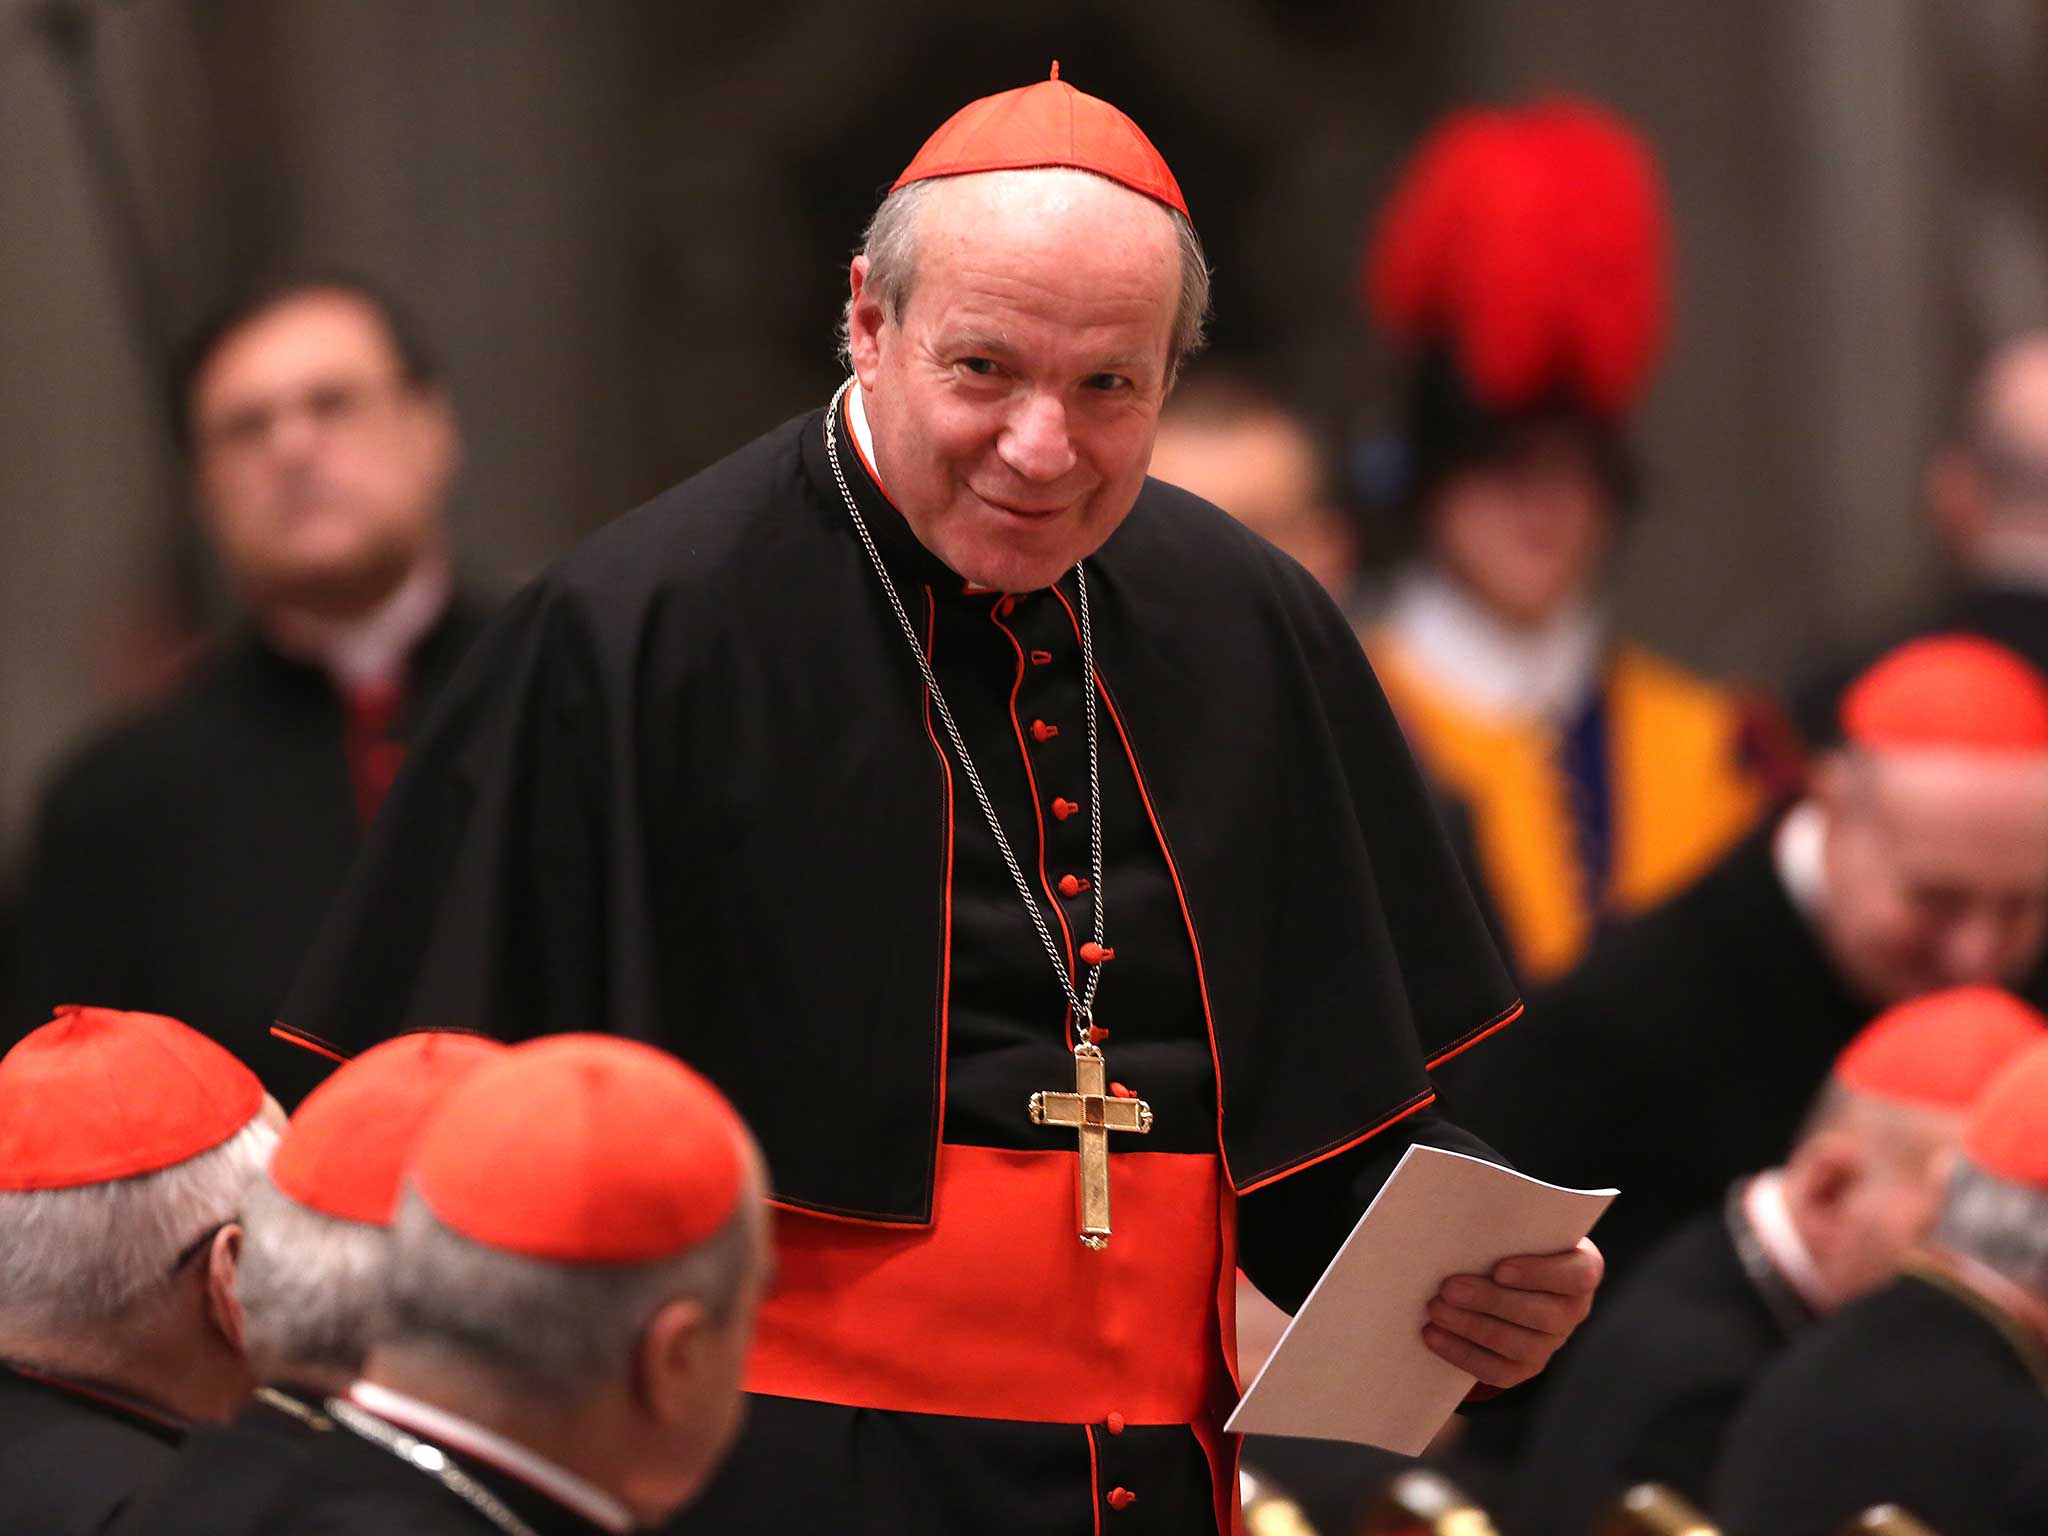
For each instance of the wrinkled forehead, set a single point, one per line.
(1089, 225)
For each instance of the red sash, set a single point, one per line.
(997, 1311)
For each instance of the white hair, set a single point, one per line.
(549, 1330)
(1998, 1223)
(82, 1259)
(890, 246)
(311, 1286)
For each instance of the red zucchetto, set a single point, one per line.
(96, 1095)
(583, 1149)
(1957, 692)
(1044, 125)
(1940, 1050)
(345, 1151)
(2008, 1132)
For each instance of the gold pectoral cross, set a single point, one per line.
(1094, 1113)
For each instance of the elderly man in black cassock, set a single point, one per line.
(127, 1142)
(1932, 1393)
(960, 801)
(1647, 1393)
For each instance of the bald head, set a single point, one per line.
(1015, 334)
(1936, 867)
(1988, 489)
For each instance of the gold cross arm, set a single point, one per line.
(1094, 1113)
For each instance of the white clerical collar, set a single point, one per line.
(1493, 668)
(1800, 852)
(1770, 1218)
(863, 434)
(453, 1432)
(373, 649)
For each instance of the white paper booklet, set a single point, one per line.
(1352, 1365)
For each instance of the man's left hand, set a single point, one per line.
(1504, 1328)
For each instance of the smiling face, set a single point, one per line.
(1013, 399)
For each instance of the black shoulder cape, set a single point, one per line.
(684, 790)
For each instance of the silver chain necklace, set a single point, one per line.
(428, 1459)
(1082, 1002)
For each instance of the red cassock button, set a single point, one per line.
(1072, 885)
(1042, 733)
(1007, 607)
(1116, 1423)
(1093, 953)
(1063, 808)
(1121, 1498)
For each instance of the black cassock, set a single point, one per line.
(277, 1470)
(690, 789)
(1650, 1387)
(182, 861)
(1919, 1395)
(72, 1454)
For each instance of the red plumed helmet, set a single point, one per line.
(1531, 242)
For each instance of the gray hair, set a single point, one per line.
(545, 1329)
(311, 1286)
(73, 1260)
(1998, 1223)
(890, 246)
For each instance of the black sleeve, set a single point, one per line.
(500, 888)
(1288, 1232)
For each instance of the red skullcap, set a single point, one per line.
(1954, 691)
(585, 1149)
(1531, 242)
(1047, 124)
(96, 1095)
(345, 1151)
(2008, 1133)
(1940, 1050)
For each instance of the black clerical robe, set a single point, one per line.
(690, 789)
(1650, 1386)
(288, 1468)
(2025, 1510)
(1681, 1054)
(73, 1453)
(182, 861)
(1921, 1395)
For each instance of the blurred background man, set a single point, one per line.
(1648, 1393)
(1986, 497)
(1522, 265)
(574, 1273)
(182, 861)
(1229, 437)
(1931, 1393)
(126, 1143)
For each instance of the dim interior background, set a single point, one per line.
(625, 223)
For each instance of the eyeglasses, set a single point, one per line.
(334, 405)
(198, 1245)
